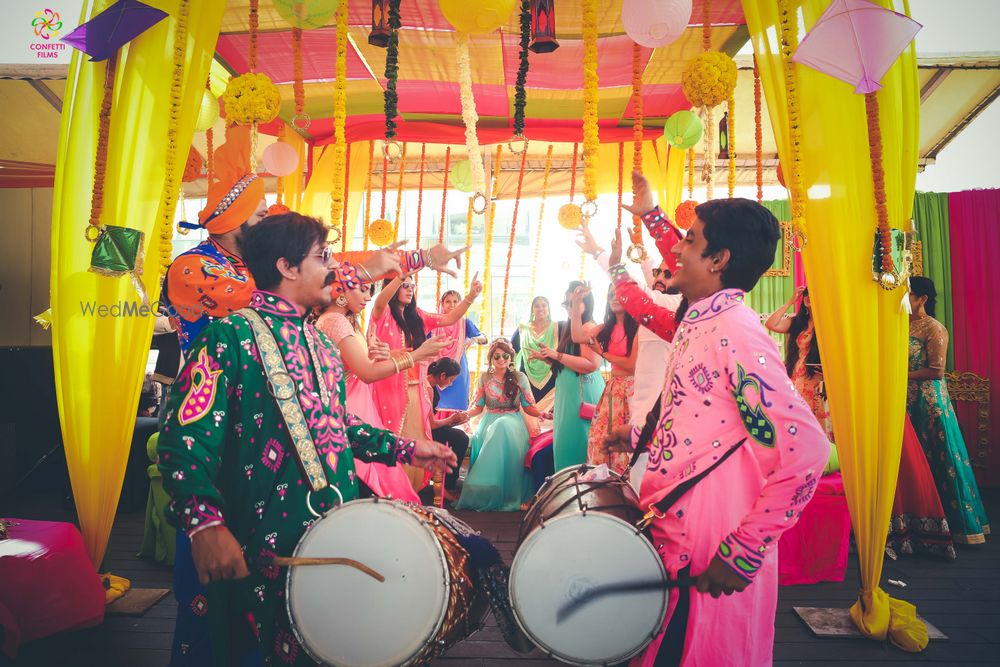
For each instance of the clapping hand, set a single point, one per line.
(544, 353)
(458, 418)
(378, 350)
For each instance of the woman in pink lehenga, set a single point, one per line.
(396, 320)
(365, 366)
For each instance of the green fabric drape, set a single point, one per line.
(930, 216)
(773, 291)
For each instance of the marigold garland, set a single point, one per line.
(708, 166)
(391, 70)
(385, 175)
(541, 217)
(887, 266)
(168, 205)
(469, 114)
(380, 232)
(591, 132)
(788, 20)
(368, 191)
(690, 156)
(510, 244)
(731, 137)
(635, 234)
(468, 243)
(621, 180)
(347, 195)
(758, 130)
(706, 25)
(520, 94)
(253, 29)
(420, 199)
(337, 198)
(209, 140)
(399, 193)
(570, 216)
(684, 214)
(298, 86)
(444, 213)
(101, 157)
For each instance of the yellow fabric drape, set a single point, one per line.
(316, 196)
(862, 329)
(98, 360)
(294, 183)
(664, 170)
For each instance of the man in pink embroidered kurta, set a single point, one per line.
(726, 388)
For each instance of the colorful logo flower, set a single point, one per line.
(47, 24)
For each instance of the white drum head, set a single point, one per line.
(568, 556)
(345, 618)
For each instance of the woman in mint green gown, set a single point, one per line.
(497, 479)
(935, 422)
(578, 381)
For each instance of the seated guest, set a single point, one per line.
(497, 478)
(441, 374)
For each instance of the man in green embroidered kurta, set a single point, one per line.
(241, 485)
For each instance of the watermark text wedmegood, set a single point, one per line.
(138, 309)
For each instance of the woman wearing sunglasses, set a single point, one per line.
(397, 321)
(497, 479)
(365, 366)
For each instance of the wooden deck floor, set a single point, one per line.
(962, 598)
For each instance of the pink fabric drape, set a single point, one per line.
(975, 245)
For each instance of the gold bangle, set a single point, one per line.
(407, 361)
(395, 364)
(369, 280)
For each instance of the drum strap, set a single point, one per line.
(658, 510)
(646, 434)
(282, 388)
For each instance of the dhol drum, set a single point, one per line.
(426, 604)
(580, 533)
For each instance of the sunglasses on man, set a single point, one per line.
(657, 272)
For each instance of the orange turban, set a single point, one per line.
(235, 193)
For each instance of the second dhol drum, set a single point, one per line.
(580, 533)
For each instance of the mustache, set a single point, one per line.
(330, 278)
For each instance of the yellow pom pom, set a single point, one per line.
(709, 79)
(380, 232)
(251, 97)
(570, 216)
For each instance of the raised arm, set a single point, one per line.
(459, 311)
(383, 298)
(778, 322)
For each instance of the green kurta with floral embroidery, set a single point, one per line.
(226, 457)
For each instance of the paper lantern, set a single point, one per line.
(208, 112)
(460, 176)
(683, 129)
(280, 159)
(654, 23)
(379, 36)
(543, 26)
(570, 216)
(380, 232)
(477, 16)
(685, 215)
(306, 14)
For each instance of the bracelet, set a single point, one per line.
(368, 275)
(395, 364)
(426, 256)
(597, 253)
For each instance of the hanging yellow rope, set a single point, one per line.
(399, 193)
(368, 192)
(420, 201)
(444, 214)
(510, 245)
(488, 240)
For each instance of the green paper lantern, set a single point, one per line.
(118, 252)
(460, 176)
(306, 14)
(683, 130)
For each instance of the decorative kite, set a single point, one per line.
(103, 35)
(877, 35)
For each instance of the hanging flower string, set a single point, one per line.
(788, 19)
(636, 252)
(731, 137)
(758, 130)
(101, 157)
(171, 187)
(591, 132)
(621, 180)
(368, 192)
(252, 27)
(541, 217)
(444, 213)
(347, 193)
(209, 140)
(279, 186)
(470, 117)
(399, 193)
(690, 156)
(420, 199)
(888, 277)
(337, 201)
(391, 72)
(488, 233)
(468, 244)
(298, 86)
(510, 244)
(706, 25)
(520, 94)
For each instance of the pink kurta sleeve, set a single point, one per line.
(784, 437)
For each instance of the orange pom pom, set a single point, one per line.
(685, 216)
